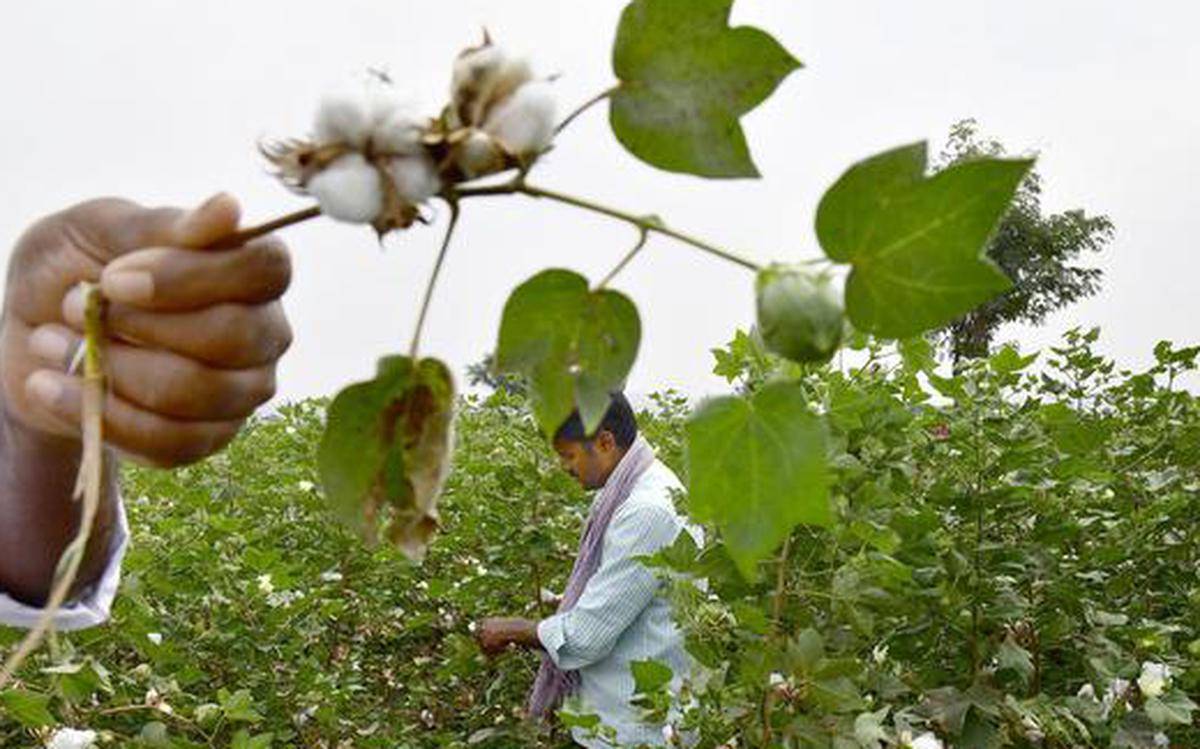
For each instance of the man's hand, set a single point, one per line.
(497, 634)
(195, 335)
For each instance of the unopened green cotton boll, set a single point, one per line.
(799, 315)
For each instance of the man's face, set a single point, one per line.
(590, 462)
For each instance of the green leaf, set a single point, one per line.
(238, 706)
(30, 709)
(1173, 707)
(869, 730)
(243, 740)
(386, 449)
(686, 78)
(916, 243)
(1013, 657)
(650, 676)
(575, 345)
(757, 469)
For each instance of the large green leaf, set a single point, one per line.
(916, 243)
(757, 469)
(386, 450)
(575, 345)
(686, 77)
(30, 709)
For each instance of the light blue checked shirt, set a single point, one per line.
(91, 607)
(622, 615)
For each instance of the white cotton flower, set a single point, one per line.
(1087, 692)
(1116, 690)
(524, 122)
(71, 738)
(265, 585)
(927, 740)
(331, 577)
(1154, 678)
(415, 177)
(1160, 739)
(367, 116)
(483, 76)
(775, 679)
(349, 189)
(306, 486)
(396, 131)
(155, 637)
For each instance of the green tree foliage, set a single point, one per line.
(1040, 253)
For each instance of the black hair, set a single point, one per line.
(618, 420)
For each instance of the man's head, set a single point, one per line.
(591, 460)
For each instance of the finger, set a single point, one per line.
(228, 336)
(109, 227)
(157, 440)
(166, 383)
(173, 279)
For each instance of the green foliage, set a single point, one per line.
(573, 345)
(686, 78)
(387, 449)
(756, 468)
(916, 243)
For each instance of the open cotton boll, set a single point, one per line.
(524, 122)
(397, 132)
(482, 77)
(342, 118)
(415, 177)
(349, 189)
(478, 155)
(70, 738)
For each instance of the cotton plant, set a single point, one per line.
(902, 253)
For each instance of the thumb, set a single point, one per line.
(114, 226)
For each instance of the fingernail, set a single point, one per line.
(44, 387)
(128, 286)
(50, 344)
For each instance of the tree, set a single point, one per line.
(1037, 251)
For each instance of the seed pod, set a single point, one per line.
(349, 189)
(799, 315)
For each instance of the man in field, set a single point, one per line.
(613, 610)
(195, 337)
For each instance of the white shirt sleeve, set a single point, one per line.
(93, 605)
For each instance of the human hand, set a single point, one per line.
(195, 334)
(494, 635)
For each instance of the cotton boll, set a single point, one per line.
(524, 122)
(70, 738)
(478, 154)
(349, 189)
(396, 132)
(343, 118)
(1154, 678)
(482, 77)
(926, 740)
(415, 177)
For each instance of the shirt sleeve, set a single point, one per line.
(92, 606)
(616, 594)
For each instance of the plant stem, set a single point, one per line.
(642, 236)
(239, 238)
(781, 587)
(433, 277)
(89, 482)
(584, 107)
(646, 223)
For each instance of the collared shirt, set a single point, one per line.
(623, 614)
(91, 607)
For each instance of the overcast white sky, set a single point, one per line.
(163, 101)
